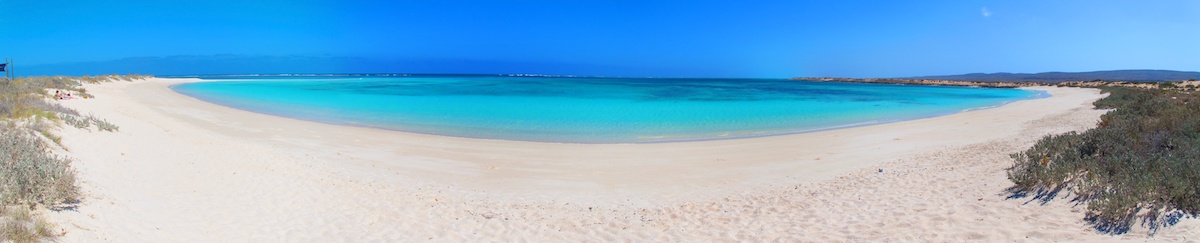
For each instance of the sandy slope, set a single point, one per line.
(182, 169)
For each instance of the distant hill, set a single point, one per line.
(1115, 75)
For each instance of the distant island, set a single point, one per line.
(1013, 80)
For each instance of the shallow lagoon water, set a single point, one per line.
(593, 110)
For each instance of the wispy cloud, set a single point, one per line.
(985, 12)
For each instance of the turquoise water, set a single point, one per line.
(593, 110)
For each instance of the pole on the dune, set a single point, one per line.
(6, 69)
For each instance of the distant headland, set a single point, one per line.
(1012, 80)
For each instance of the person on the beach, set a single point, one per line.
(58, 95)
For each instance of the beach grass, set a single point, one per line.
(1140, 165)
(19, 224)
(31, 175)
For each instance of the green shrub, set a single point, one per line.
(1142, 162)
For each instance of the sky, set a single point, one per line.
(699, 38)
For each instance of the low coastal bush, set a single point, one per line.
(75, 121)
(1140, 165)
(30, 174)
(103, 125)
(82, 122)
(25, 97)
(112, 77)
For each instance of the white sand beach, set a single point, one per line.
(181, 169)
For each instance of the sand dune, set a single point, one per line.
(181, 169)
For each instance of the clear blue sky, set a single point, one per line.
(615, 38)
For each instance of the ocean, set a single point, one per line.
(591, 110)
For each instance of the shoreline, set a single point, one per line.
(1035, 94)
(354, 135)
(181, 168)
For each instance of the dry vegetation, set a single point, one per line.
(32, 177)
(1140, 165)
(1188, 85)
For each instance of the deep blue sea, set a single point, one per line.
(592, 110)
